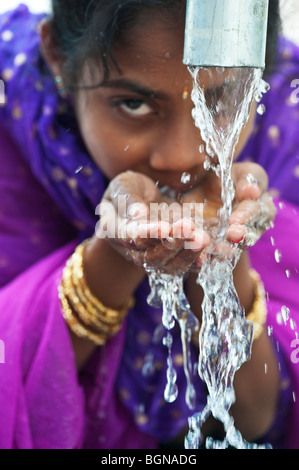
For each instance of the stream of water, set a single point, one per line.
(222, 103)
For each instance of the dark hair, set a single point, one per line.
(88, 29)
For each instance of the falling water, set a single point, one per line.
(225, 336)
(223, 100)
(168, 291)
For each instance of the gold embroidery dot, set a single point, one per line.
(7, 74)
(4, 262)
(138, 363)
(35, 239)
(57, 173)
(143, 337)
(273, 132)
(73, 184)
(39, 86)
(87, 171)
(285, 384)
(141, 419)
(125, 394)
(79, 224)
(17, 112)
(52, 133)
(178, 360)
(176, 414)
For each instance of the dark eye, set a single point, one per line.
(135, 107)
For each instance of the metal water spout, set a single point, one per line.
(226, 33)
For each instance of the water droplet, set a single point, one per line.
(80, 168)
(171, 392)
(185, 178)
(288, 273)
(126, 148)
(148, 366)
(251, 179)
(201, 148)
(270, 330)
(261, 109)
(207, 165)
(285, 313)
(279, 318)
(293, 324)
(277, 256)
(281, 205)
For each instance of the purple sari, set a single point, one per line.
(49, 189)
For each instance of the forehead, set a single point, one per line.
(153, 45)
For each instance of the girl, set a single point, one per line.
(93, 91)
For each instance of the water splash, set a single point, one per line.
(168, 291)
(222, 99)
(226, 336)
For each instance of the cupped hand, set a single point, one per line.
(253, 210)
(149, 228)
(253, 207)
(154, 231)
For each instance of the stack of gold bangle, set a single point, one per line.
(258, 313)
(84, 313)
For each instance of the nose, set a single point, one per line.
(176, 148)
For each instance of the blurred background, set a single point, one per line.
(289, 10)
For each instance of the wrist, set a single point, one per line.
(110, 276)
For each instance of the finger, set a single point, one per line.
(250, 180)
(254, 218)
(244, 212)
(177, 254)
(130, 192)
(249, 211)
(247, 189)
(236, 233)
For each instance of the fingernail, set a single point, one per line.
(238, 241)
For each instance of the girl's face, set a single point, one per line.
(140, 119)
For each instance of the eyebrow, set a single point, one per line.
(130, 85)
(135, 87)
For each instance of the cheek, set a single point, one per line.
(113, 147)
(103, 147)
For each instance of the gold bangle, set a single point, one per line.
(85, 315)
(108, 315)
(258, 313)
(86, 312)
(74, 324)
